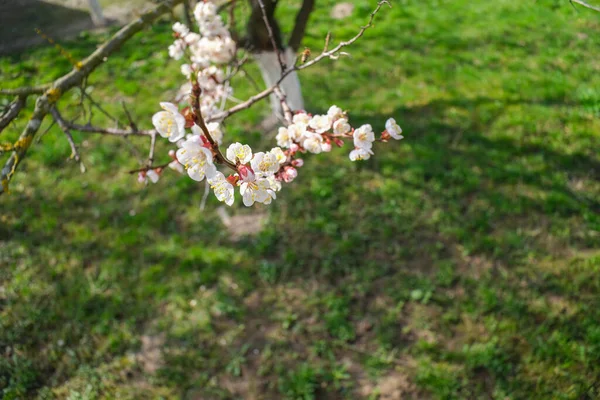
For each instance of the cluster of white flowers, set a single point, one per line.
(213, 45)
(316, 133)
(259, 175)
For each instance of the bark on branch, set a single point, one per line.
(12, 111)
(583, 3)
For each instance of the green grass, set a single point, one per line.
(460, 263)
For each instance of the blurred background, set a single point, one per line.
(460, 263)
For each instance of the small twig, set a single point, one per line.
(327, 39)
(251, 79)
(109, 131)
(583, 3)
(237, 67)
(205, 195)
(276, 48)
(132, 123)
(152, 146)
(12, 111)
(102, 110)
(149, 167)
(61, 123)
(287, 112)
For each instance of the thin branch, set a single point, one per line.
(199, 120)
(132, 123)
(583, 3)
(300, 25)
(12, 111)
(74, 78)
(152, 146)
(276, 48)
(67, 132)
(205, 195)
(25, 91)
(287, 111)
(149, 167)
(95, 129)
(325, 54)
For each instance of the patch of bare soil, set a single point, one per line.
(342, 10)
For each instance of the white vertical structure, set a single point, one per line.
(271, 72)
(96, 13)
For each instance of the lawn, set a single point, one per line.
(460, 263)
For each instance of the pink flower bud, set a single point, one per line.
(233, 179)
(326, 147)
(289, 174)
(294, 147)
(172, 154)
(246, 173)
(298, 162)
(142, 177)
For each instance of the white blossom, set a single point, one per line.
(238, 152)
(283, 138)
(279, 154)
(275, 184)
(205, 11)
(264, 164)
(341, 126)
(180, 28)
(186, 70)
(214, 128)
(360, 154)
(313, 143)
(196, 159)
(176, 166)
(320, 123)
(152, 175)
(393, 129)
(335, 113)
(301, 119)
(169, 123)
(222, 188)
(258, 191)
(364, 137)
(176, 49)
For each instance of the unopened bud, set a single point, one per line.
(246, 173)
(289, 174)
(338, 142)
(298, 162)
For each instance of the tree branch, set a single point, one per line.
(583, 3)
(70, 80)
(12, 112)
(67, 132)
(103, 131)
(300, 25)
(25, 91)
